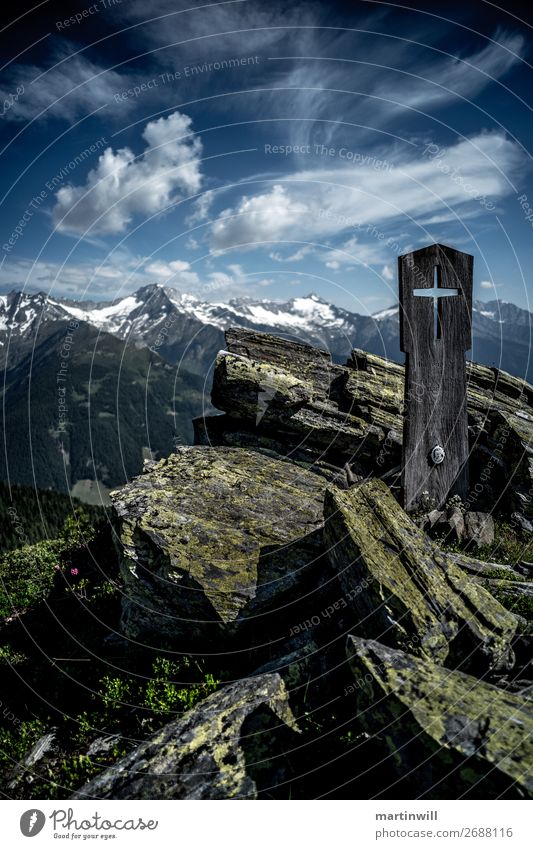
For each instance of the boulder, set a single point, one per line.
(407, 592)
(448, 524)
(291, 399)
(201, 755)
(446, 733)
(478, 528)
(215, 540)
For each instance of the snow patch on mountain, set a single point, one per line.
(391, 312)
(104, 316)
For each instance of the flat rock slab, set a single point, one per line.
(407, 592)
(211, 538)
(461, 737)
(200, 755)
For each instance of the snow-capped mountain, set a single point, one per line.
(188, 331)
(185, 330)
(141, 401)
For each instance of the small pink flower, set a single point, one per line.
(73, 571)
(57, 567)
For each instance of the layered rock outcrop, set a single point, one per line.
(415, 596)
(293, 400)
(275, 538)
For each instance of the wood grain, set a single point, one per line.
(435, 379)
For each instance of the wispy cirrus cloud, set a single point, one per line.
(352, 87)
(317, 205)
(70, 87)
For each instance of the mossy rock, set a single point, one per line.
(214, 540)
(270, 398)
(407, 592)
(447, 733)
(201, 756)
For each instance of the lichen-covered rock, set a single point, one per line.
(291, 399)
(270, 398)
(200, 756)
(214, 538)
(415, 597)
(264, 390)
(454, 735)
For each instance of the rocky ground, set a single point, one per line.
(354, 650)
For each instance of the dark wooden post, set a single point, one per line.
(435, 332)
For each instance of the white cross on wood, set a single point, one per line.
(434, 336)
(436, 292)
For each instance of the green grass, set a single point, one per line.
(28, 574)
(503, 575)
(93, 687)
(510, 546)
(121, 707)
(522, 605)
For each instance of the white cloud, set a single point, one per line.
(75, 280)
(166, 269)
(67, 89)
(177, 272)
(488, 284)
(439, 82)
(387, 273)
(391, 77)
(122, 185)
(352, 252)
(318, 205)
(264, 217)
(297, 256)
(201, 207)
(123, 274)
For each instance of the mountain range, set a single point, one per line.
(137, 369)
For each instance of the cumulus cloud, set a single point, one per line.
(201, 207)
(318, 205)
(167, 269)
(387, 273)
(123, 185)
(266, 217)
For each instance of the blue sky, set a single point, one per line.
(262, 149)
